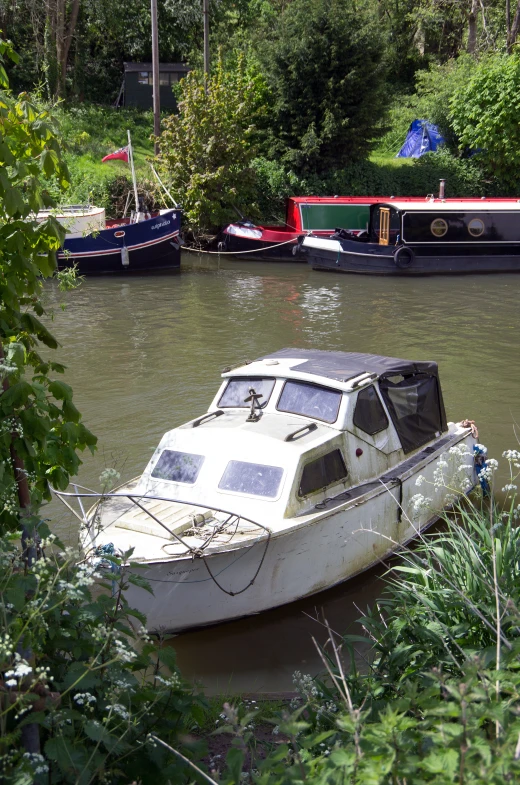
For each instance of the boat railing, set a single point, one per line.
(90, 518)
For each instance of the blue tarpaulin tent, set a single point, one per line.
(422, 137)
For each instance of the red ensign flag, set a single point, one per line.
(121, 154)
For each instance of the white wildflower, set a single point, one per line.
(119, 709)
(420, 504)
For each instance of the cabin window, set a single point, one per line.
(253, 478)
(237, 391)
(322, 472)
(476, 227)
(178, 466)
(310, 400)
(164, 78)
(438, 227)
(144, 77)
(415, 406)
(369, 414)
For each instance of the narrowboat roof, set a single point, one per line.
(343, 366)
(454, 205)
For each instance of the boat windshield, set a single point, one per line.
(252, 478)
(178, 466)
(237, 390)
(310, 400)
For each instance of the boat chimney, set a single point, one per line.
(442, 185)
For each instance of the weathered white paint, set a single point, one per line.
(306, 544)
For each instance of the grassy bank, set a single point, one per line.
(91, 132)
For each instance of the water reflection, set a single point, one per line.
(145, 354)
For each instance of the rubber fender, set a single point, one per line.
(404, 257)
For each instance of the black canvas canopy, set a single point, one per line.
(411, 390)
(342, 366)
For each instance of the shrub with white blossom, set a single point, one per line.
(94, 684)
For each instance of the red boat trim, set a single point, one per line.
(71, 255)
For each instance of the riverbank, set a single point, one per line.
(91, 131)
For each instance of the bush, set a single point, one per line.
(206, 150)
(484, 113)
(94, 686)
(323, 61)
(366, 178)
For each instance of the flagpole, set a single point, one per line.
(155, 77)
(130, 150)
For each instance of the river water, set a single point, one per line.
(144, 354)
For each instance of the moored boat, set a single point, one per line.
(279, 243)
(98, 246)
(438, 236)
(301, 474)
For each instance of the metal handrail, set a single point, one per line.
(101, 497)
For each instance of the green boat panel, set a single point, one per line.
(315, 217)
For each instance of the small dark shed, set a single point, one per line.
(139, 86)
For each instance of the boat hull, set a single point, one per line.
(275, 246)
(350, 257)
(150, 246)
(300, 561)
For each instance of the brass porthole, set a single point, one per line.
(438, 227)
(476, 227)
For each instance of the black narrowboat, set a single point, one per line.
(433, 237)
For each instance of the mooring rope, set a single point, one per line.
(234, 253)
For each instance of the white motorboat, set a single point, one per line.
(301, 474)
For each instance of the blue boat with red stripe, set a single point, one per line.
(124, 246)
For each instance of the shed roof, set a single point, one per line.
(178, 67)
(342, 366)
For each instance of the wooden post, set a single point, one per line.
(205, 12)
(155, 78)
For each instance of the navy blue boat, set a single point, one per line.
(149, 246)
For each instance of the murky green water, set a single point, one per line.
(145, 354)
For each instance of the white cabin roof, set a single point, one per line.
(456, 206)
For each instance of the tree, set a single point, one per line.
(40, 428)
(484, 113)
(324, 65)
(207, 148)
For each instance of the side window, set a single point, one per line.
(322, 472)
(369, 414)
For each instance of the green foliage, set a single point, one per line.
(438, 701)
(442, 734)
(484, 114)
(95, 684)
(323, 62)
(365, 178)
(40, 428)
(206, 150)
